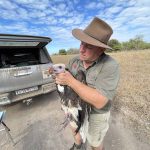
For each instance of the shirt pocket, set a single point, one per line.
(91, 78)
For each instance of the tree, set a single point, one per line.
(115, 44)
(73, 51)
(62, 52)
(135, 43)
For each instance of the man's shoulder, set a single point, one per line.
(74, 59)
(110, 61)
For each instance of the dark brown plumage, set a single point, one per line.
(74, 107)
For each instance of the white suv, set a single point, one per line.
(24, 63)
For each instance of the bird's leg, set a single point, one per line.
(65, 120)
(65, 123)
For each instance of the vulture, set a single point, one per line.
(76, 110)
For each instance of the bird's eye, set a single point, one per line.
(60, 67)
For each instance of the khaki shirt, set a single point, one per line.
(103, 75)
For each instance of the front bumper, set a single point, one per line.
(10, 97)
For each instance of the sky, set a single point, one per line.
(57, 18)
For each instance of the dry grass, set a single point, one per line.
(133, 95)
(62, 58)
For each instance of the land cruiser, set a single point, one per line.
(24, 63)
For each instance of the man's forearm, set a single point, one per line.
(88, 94)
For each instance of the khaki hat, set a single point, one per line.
(96, 33)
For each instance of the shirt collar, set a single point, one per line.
(100, 58)
(96, 61)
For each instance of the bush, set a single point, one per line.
(62, 52)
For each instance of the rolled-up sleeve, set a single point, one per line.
(107, 81)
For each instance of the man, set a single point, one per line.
(102, 75)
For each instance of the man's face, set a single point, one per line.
(89, 52)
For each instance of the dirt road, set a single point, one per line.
(36, 127)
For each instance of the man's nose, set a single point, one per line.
(82, 48)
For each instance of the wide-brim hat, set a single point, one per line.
(96, 33)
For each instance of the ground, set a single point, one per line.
(36, 127)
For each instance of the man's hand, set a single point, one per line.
(64, 78)
(86, 93)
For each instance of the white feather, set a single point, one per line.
(60, 88)
(84, 129)
(65, 109)
(74, 111)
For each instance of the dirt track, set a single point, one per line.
(35, 127)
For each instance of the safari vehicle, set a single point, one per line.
(24, 63)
